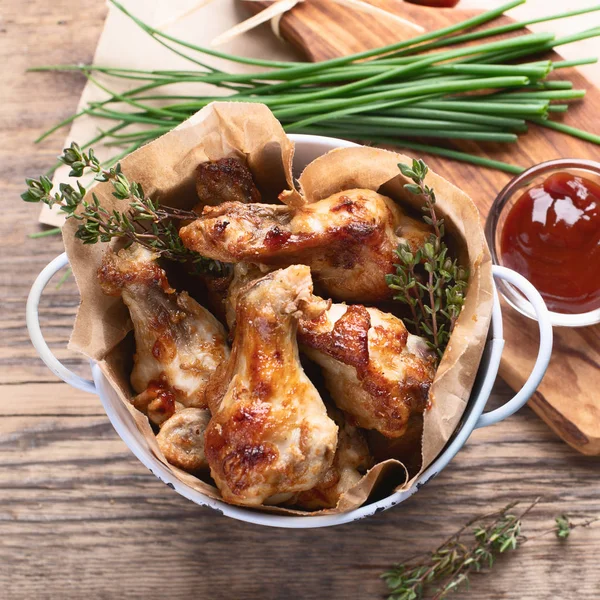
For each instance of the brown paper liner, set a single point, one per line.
(165, 169)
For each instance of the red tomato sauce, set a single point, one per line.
(552, 236)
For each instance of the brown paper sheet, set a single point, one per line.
(165, 169)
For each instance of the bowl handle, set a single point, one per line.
(544, 352)
(35, 332)
(494, 416)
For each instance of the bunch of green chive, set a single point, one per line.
(430, 86)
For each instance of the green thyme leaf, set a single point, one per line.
(99, 225)
(430, 282)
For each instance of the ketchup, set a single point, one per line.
(552, 236)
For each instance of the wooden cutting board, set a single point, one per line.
(568, 399)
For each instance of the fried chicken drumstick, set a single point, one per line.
(269, 436)
(178, 342)
(348, 239)
(374, 369)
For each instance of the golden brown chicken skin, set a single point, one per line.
(225, 180)
(348, 239)
(179, 344)
(376, 371)
(269, 436)
(181, 439)
(351, 461)
(242, 274)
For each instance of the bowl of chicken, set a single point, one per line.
(273, 312)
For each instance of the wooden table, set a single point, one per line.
(81, 517)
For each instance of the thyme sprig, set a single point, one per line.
(428, 280)
(450, 566)
(146, 222)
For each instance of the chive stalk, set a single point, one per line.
(422, 87)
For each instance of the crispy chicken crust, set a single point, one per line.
(178, 342)
(374, 369)
(348, 239)
(270, 435)
(225, 180)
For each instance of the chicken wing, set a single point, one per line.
(178, 342)
(352, 459)
(225, 180)
(181, 439)
(269, 435)
(376, 371)
(348, 239)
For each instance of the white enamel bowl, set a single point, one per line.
(308, 148)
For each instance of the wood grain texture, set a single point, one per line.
(569, 398)
(80, 517)
(322, 29)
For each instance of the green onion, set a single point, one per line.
(422, 87)
(502, 29)
(366, 131)
(464, 117)
(435, 150)
(481, 104)
(563, 64)
(414, 123)
(45, 233)
(531, 71)
(572, 131)
(417, 90)
(508, 45)
(545, 47)
(455, 154)
(544, 95)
